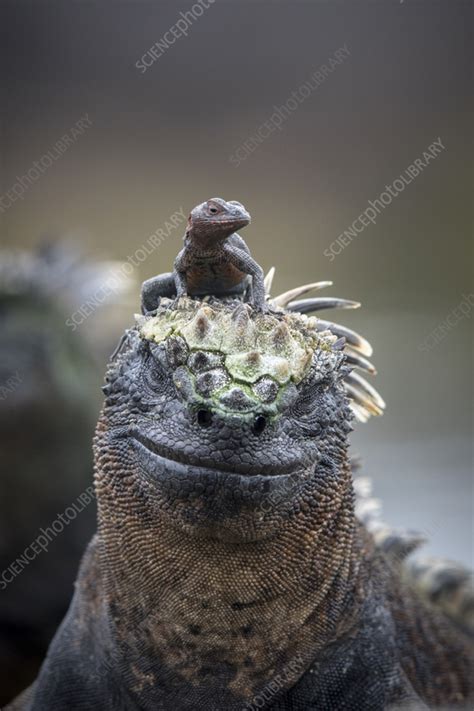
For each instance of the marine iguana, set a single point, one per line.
(229, 570)
(214, 259)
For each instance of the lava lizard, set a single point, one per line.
(214, 260)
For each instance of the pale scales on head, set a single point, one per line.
(237, 348)
(278, 347)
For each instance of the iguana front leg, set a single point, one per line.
(246, 264)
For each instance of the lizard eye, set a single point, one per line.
(213, 210)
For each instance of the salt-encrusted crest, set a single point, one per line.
(243, 356)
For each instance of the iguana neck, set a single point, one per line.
(254, 607)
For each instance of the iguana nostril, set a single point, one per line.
(259, 424)
(204, 417)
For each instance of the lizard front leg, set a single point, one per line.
(180, 283)
(179, 275)
(246, 264)
(156, 287)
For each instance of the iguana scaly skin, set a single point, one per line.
(229, 570)
(214, 259)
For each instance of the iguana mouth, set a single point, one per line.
(178, 463)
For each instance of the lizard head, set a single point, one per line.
(225, 420)
(214, 220)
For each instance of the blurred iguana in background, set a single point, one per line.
(50, 375)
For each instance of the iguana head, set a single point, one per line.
(214, 220)
(226, 420)
(226, 518)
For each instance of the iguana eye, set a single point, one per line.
(204, 417)
(308, 410)
(259, 424)
(213, 210)
(306, 403)
(155, 371)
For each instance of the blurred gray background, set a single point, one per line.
(163, 139)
